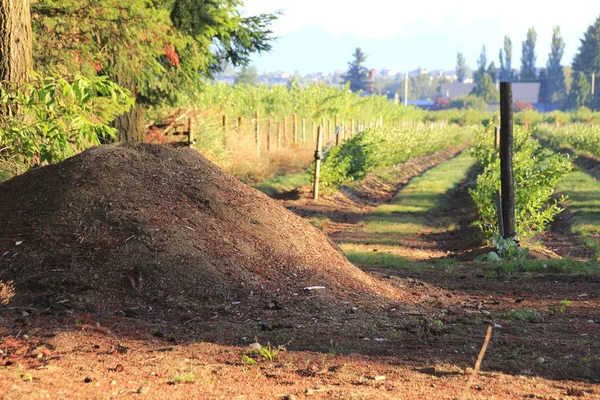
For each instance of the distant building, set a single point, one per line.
(525, 92)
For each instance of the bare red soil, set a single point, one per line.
(146, 271)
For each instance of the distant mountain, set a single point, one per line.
(313, 49)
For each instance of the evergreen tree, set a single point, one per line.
(486, 89)
(580, 94)
(158, 49)
(461, 68)
(481, 64)
(555, 77)
(492, 72)
(506, 73)
(587, 59)
(528, 57)
(357, 74)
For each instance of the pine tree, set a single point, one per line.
(555, 77)
(528, 57)
(158, 49)
(580, 94)
(357, 74)
(461, 68)
(587, 59)
(492, 72)
(506, 73)
(481, 64)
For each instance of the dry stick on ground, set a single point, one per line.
(488, 336)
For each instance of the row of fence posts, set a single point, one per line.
(298, 135)
(503, 139)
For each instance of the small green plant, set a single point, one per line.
(521, 314)
(506, 249)
(560, 308)
(333, 347)
(58, 117)
(183, 377)
(246, 359)
(269, 352)
(438, 323)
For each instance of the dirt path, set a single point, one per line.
(545, 342)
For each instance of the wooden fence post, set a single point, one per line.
(257, 131)
(352, 127)
(506, 159)
(313, 130)
(269, 134)
(303, 130)
(497, 137)
(295, 128)
(318, 157)
(285, 139)
(498, 196)
(279, 135)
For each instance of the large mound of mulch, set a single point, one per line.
(126, 223)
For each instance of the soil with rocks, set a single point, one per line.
(145, 271)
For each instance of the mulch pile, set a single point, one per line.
(150, 224)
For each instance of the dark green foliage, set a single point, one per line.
(357, 72)
(537, 172)
(587, 59)
(158, 49)
(461, 68)
(468, 102)
(486, 90)
(528, 57)
(580, 94)
(554, 76)
(506, 73)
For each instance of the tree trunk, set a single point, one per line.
(15, 40)
(131, 125)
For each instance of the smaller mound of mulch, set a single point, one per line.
(148, 223)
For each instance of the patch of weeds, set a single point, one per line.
(392, 334)
(333, 347)
(269, 352)
(560, 308)
(438, 323)
(369, 327)
(246, 359)
(521, 314)
(183, 377)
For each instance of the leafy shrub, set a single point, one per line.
(537, 172)
(380, 147)
(468, 102)
(580, 136)
(58, 118)
(528, 118)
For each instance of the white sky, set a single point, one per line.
(388, 18)
(468, 23)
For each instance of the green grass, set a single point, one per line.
(282, 183)
(413, 210)
(584, 202)
(410, 210)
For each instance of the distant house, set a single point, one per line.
(525, 92)
(456, 89)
